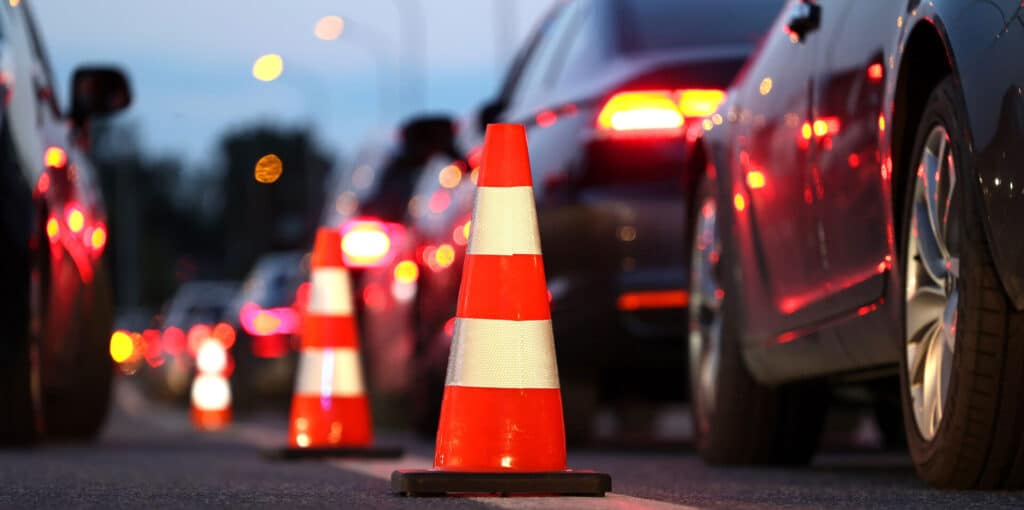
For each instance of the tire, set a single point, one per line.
(17, 406)
(979, 441)
(746, 422)
(18, 402)
(77, 412)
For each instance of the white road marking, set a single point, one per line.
(382, 469)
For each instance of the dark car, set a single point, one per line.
(612, 94)
(266, 315)
(54, 285)
(368, 202)
(857, 220)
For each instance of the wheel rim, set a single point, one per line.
(705, 335)
(931, 287)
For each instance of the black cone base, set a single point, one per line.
(368, 452)
(439, 483)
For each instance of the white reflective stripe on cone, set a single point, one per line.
(211, 392)
(330, 292)
(504, 222)
(333, 372)
(490, 353)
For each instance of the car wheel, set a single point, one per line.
(78, 411)
(737, 420)
(18, 417)
(962, 383)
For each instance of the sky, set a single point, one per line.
(190, 62)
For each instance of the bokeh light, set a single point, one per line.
(449, 176)
(268, 169)
(121, 346)
(329, 28)
(268, 67)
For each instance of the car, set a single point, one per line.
(57, 310)
(266, 316)
(368, 203)
(194, 311)
(856, 220)
(612, 94)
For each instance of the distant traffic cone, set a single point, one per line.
(211, 391)
(501, 429)
(330, 413)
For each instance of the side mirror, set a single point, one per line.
(98, 91)
(490, 112)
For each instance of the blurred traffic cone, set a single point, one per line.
(330, 413)
(501, 429)
(211, 392)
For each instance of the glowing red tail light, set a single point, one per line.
(268, 321)
(368, 242)
(662, 112)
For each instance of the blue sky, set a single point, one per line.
(190, 61)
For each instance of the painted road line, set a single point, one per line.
(382, 469)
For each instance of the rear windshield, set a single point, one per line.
(668, 24)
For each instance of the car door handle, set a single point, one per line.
(804, 18)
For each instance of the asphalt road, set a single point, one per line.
(151, 458)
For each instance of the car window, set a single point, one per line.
(647, 25)
(585, 49)
(536, 74)
(44, 76)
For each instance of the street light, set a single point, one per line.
(268, 67)
(329, 28)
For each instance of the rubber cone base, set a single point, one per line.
(440, 483)
(336, 452)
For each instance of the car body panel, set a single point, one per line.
(850, 315)
(69, 299)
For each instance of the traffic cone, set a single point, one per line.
(211, 391)
(501, 429)
(330, 414)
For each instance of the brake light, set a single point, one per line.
(657, 111)
(368, 242)
(55, 157)
(700, 102)
(174, 341)
(270, 321)
(640, 111)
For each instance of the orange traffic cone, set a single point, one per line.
(501, 428)
(330, 413)
(211, 392)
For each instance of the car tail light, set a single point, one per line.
(122, 346)
(174, 341)
(225, 333)
(367, 242)
(652, 112)
(270, 321)
(695, 103)
(270, 347)
(55, 157)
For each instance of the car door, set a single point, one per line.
(849, 82)
(777, 191)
